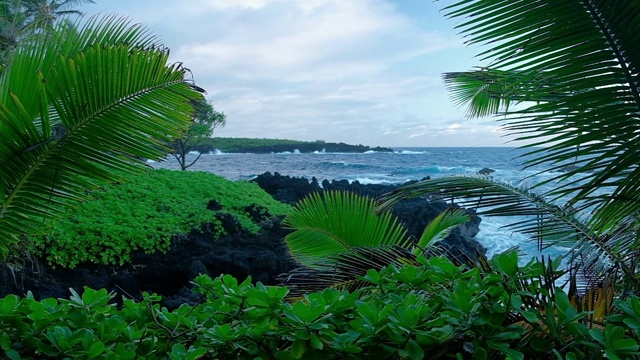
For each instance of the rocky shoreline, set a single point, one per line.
(262, 256)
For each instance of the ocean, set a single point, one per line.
(402, 165)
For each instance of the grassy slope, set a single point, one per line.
(144, 213)
(234, 144)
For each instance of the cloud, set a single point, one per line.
(363, 71)
(301, 41)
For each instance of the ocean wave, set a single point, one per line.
(295, 152)
(435, 169)
(373, 181)
(340, 165)
(411, 152)
(496, 236)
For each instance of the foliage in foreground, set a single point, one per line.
(337, 236)
(144, 212)
(572, 68)
(436, 310)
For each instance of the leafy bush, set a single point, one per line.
(436, 310)
(145, 212)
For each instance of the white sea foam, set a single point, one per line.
(496, 236)
(368, 181)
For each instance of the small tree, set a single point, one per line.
(205, 120)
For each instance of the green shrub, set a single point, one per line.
(145, 212)
(436, 310)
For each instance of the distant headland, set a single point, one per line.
(267, 146)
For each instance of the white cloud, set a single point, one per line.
(310, 42)
(232, 4)
(362, 71)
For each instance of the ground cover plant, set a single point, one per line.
(145, 211)
(434, 310)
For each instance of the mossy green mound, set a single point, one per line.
(145, 212)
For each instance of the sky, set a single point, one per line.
(355, 71)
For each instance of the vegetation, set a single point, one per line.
(338, 236)
(573, 69)
(145, 212)
(234, 145)
(21, 19)
(205, 120)
(576, 95)
(580, 98)
(245, 145)
(406, 312)
(67, 125)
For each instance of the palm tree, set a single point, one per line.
(565, 78)
(20, 19)
(78, 107)
(44, 13)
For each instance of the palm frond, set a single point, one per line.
(76, 108)
(338, 237)
(440, 227)
(487, 91)
(543, 221)
(334, 222)
(581, 60)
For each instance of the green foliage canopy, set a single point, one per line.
(145, 212)
(573, 68)
(405, 312)
(564, 77)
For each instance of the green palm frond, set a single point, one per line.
(487, 91)
(440, 227)
(338, 237)
(335, 222)
(76, 108)
(540, 219)
(581, 97)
